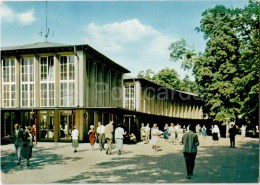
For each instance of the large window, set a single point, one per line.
(67, 81)
(130, 96)
(27, 82)
(8, 85)
(47, 81)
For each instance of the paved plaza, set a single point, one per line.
(56, 163)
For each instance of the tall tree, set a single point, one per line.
(228, 72)
(247, 81)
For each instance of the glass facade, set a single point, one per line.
(130, 97)
(67, 81)
(27, 82)
(47, 80)
(8, 84)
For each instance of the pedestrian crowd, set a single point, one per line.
(173, 134)
(23, 143)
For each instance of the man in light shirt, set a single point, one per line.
(75, 138)
(119, 136)
(101, 136)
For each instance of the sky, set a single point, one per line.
(134, 34)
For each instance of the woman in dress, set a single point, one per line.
(166, 132)
(215, 134)
(155, 132)
(27, 145)
(204, 131)
(92, 136)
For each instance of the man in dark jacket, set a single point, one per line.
(190, 142)
(232, 134)
(18, 142)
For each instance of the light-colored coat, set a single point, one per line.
(109, 131)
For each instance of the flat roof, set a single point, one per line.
(46, 47)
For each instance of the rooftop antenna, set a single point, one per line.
(47, 30)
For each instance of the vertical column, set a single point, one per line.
(114, 93)
(99, 84)
(120, 89)
(91, 84)
(37, 81)
(138, 96)
(97, 118)
(147, 97)
(56, 125)
(57, 80)
(86, 81)
(82, 79)
(17, 82)
(106, 87)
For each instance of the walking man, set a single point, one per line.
(18, 143)
(190, 142)
(232, 134)
(101, 136)
(75, 138)
(119, 136)
(109, 136)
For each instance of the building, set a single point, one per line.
(152, 103)
(56, 86)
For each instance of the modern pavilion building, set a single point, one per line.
(152, 103)
(57, 86)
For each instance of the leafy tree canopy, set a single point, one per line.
(227, 73)
(169, 78)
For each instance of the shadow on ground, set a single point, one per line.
(214, 164)
(44, 157)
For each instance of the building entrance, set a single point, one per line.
(46, 124)
(67, 120)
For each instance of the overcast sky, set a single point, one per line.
(134, 34)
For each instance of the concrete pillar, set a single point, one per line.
(138, 96)
(56, 125)
(99, 86)
(120, 89)
(114, 90)
(91, 87)
(80, 74)
(17, 82)
(107, 87)
(57, 80)
(97, 118)
(37, 82)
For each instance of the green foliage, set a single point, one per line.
(227, 73)
(169, 78)
(181, 51)
(148, 74)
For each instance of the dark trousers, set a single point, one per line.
(232, 141)
(190, 162)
